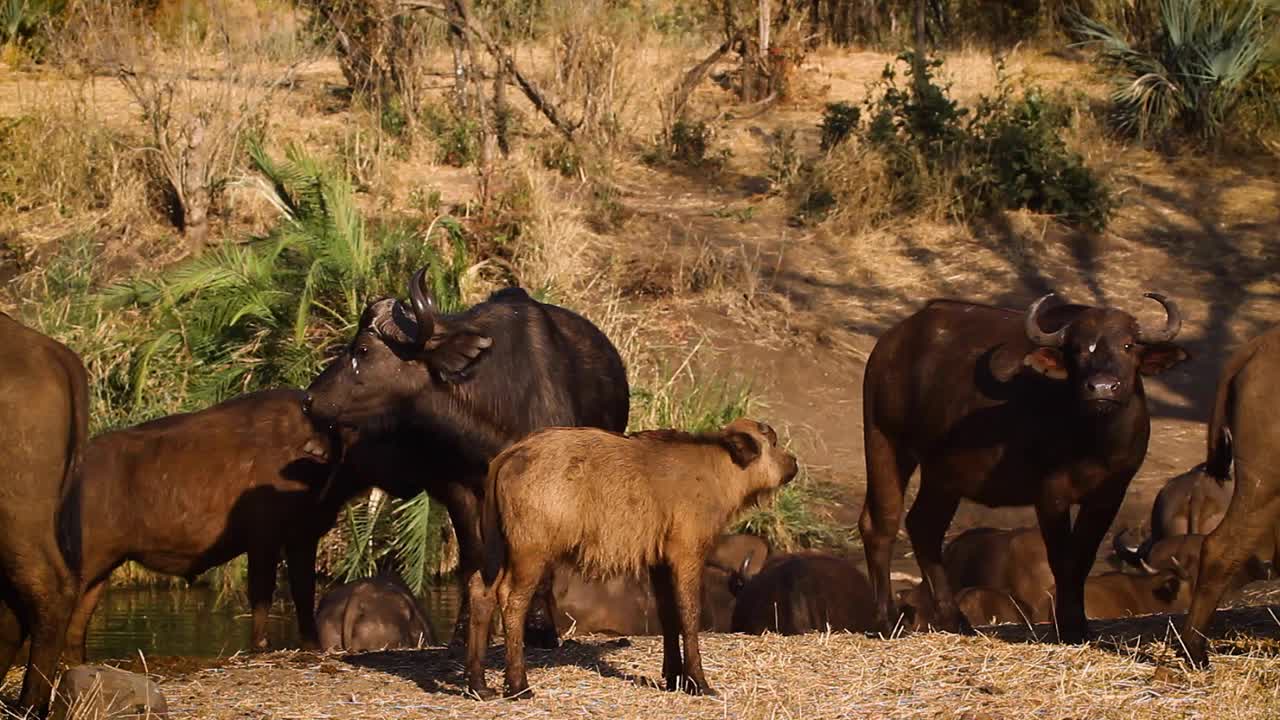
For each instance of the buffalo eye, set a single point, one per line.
(1128, 347)
(362, 350)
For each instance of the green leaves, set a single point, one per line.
(1192, 75)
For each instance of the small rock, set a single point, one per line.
(98, 691)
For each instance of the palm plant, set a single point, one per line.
(260, 314)
(1192, 75)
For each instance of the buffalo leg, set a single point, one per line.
(464, 514)
(47, 592)
(887, 474)
(927, 524)
(1092, 521)
(669, 618)
(1055, 529)
(262, 588)
(301, 558)
(1254, 510)
(688, 589)
(12, 636)
(482, 602)
(514, 596)
(78, 629)
(540, 628)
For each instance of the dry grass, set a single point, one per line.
(812, 676)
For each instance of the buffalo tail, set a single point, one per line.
(495, 540)
(68, 520)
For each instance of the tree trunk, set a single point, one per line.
(921, 41)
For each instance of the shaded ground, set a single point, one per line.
(813, 676)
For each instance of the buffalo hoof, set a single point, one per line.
(482, 693)
(519, 694)
(542, 637)
(1196, 656)
(1074, 636)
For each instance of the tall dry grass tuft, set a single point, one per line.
(64, 172)
(197, 98)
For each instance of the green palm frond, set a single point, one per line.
(415, 528)
(1194, 72)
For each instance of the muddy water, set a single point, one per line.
(190, 623)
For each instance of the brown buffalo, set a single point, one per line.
(1122, 594)
(1010, 561)
(1248, 392)
(1192, 503)
(1005, 408)
(612, 504)
(44, 410)
(987, 606)
(980, 606)
(625, 605)
(377, 613)
(454, 390)
(805, 592)
(1183, 551)
(188, 492)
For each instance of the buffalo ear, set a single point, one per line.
(455, 354)
(1048, 362)
(742, 447)
(1159, 357)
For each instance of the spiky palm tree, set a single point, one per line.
(1191, 76)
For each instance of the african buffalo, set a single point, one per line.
(1183, 551)
(1044, 408)
(378, 613)
(1248, 392)
(457, 389)
(185, 493)
(805, 592)
(979, 605)
(44, 411)
(1011, 561)
(625, 605)
(1122, 594)
(673, 493)
(1192, 503)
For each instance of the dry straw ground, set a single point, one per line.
(811, 676)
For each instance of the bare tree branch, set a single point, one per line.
(530, 88)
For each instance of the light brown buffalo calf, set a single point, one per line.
(613, 505)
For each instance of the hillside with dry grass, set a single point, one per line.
(738, 257)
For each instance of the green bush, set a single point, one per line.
(457, 138)
(1006, 152)
(839, 120)
(1192, 75)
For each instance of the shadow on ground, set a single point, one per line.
(440, 670)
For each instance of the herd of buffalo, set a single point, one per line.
(513, 414)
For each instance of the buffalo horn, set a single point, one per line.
(1038, 336)
(1173, 321)
(423, 306)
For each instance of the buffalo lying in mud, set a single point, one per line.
(671, 494)
(455, 390)
(625, 605)
(805, 592)
(44, 411)
(378, 613)
(185, 493)
(1005, 408)
(1248, 392)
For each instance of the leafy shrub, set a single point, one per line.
(1192, 75)
(918, 145)
(457, 138)
(838, 121)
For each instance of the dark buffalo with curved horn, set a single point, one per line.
(44, 411)
(1043, 408)
(457, 389)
